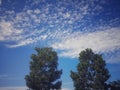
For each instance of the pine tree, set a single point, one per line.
(44, 74)
(91, 72)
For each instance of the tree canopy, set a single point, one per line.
(91, 72)
(44, 74)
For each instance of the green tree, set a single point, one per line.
(91, 72)
(44, 74)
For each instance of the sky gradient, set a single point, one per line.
(68, 26)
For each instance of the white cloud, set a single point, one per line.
(113, 57)
(7, 31)
(27, 41)
(66, 15)
(13, 88)
(22, 43)
(29, 11)
(99, 41)
(19, 25)
(37, 11)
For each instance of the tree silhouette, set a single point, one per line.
(91, 72)
(44, 74)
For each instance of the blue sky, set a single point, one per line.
(69, 26)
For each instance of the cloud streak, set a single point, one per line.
(99, 41)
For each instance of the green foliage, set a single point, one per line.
(44, 74)
(91, 72)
